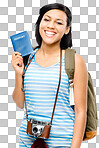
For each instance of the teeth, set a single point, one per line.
(49, 33)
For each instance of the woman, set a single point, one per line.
(53, 33)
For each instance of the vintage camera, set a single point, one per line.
(37, 127)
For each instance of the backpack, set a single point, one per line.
(92, 119)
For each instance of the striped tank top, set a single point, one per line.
(40, 86)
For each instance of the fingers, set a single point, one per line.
(16, 59)
(15, 54)
(18, 62)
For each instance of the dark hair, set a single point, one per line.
(66, 40)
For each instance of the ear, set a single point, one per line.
(67, 30)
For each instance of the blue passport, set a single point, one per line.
(21, 43)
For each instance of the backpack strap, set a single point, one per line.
(70, 68)
(70, 62)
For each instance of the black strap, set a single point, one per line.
(23, 86)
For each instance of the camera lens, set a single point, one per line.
(35, 130)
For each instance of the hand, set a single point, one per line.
(17, 63)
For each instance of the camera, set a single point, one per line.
(37, 127)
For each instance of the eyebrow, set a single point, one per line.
(57, 19)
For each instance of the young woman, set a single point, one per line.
(53, 34)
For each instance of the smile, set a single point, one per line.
(49, 33)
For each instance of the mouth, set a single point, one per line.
(50, 33)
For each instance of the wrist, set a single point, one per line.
(18, 74)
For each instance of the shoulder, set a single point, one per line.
(79, 63)
(80, 67)
(79, 60)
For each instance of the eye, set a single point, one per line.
(59, 23)
(46, 19)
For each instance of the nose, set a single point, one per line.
(51, 24)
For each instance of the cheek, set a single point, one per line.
(62, 31)
(42, 24)
(41, 27)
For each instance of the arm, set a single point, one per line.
(18, 65)
(80, 98)
(18, 94)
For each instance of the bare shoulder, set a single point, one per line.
(80, 64)
(79, 59)
(81, 72)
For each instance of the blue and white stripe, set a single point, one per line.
(40, 85)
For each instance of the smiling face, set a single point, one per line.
(53, 26)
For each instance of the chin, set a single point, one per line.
(50, 42)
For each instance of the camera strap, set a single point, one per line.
(57, 87)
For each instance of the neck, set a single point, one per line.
(50, 49)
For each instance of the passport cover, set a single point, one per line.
(21, 43)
